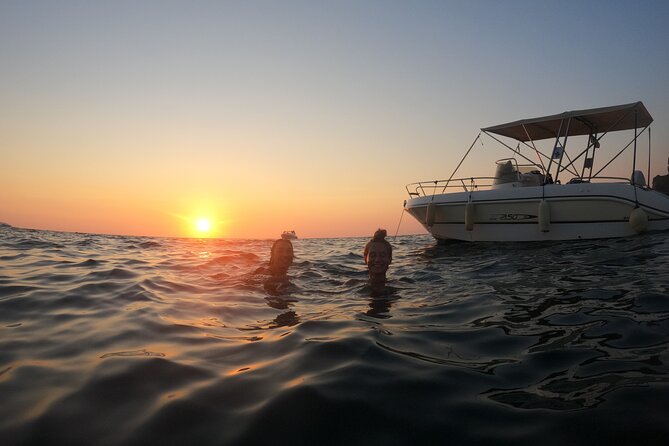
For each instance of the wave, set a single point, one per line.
(133, 340)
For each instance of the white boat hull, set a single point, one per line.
(576, 211)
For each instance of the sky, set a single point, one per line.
(145, 117)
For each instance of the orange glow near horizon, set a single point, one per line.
(254, 216)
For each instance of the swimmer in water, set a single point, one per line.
(281, 258)
(378, 256)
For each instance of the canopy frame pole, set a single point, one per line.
(595, 144)
(585, 160)
(648, 157)
(587, 152)
(599, 139)
(576, 159)
(460, 163)
(535, 148)
(511, 148)
(571, 163)
(550, 160)
(564, 145)
(557, 140)
(541, 154)
(621, 151)
(635, 138)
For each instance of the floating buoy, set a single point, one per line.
(544, 216)
(469, 216)
(639, 220)
(429, 214)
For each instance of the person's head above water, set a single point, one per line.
(281, 257)
(378, 255)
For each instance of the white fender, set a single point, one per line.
(469, 216)
(544, 216)
(429, 214)
(639, 220)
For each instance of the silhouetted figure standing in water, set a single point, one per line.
(378, 255)
(281, 258)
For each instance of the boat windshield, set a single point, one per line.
(506, 172)
(509, 171)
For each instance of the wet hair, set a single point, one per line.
(379, 237)
(275, 244)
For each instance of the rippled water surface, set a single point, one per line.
(130, 340)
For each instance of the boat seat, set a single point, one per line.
(638, 178)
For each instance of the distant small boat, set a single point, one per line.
(289, 235)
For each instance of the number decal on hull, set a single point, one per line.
(512, 217)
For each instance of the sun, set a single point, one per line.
(202, 225)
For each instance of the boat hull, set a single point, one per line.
(570, 212)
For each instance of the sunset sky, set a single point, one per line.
(141, 117)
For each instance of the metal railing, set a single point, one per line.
(421, 188)
(468, 184)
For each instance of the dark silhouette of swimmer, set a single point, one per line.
(281, 258)
(378, 255)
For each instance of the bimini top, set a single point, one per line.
(582, 122)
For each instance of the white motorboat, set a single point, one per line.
(548, 192)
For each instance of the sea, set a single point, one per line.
(118, 340)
